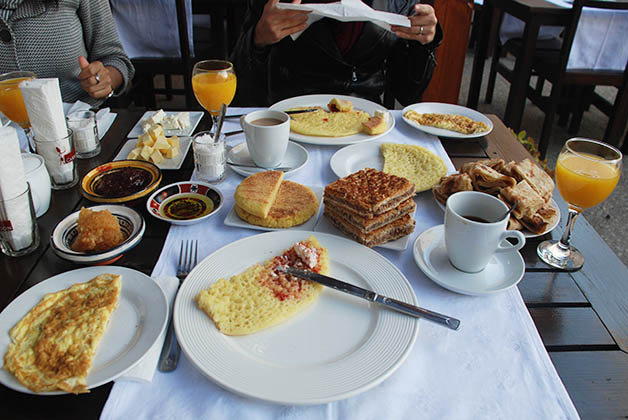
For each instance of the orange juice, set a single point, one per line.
(11, 102)
(585, 181)
(213, 89)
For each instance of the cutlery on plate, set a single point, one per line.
(280, 168)
(298, 111)
(233, 133)
(188, 258)
(371, 296)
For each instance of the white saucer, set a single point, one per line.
(296, 157)
(503, 271)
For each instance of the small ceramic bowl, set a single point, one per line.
(122, 181)
(185, 203)
(132, 226)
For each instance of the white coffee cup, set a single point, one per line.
(267, 135)
(39, 180)
(471, 243)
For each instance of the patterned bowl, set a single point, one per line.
(132, 226)
(185, 203)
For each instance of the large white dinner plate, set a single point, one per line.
(441, 108)
(134, 327)
(339, 347)
(195, 117)
(234, 220)
(526, 232)
(322, 101)
(174, 163)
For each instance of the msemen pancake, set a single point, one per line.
(294, 205)
(328, 124)
(256, 193)
(262, 296)
(53, 345)
(417, 164)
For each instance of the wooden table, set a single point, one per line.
(535, 13)
(581, 316)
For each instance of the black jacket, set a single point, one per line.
(313, 64)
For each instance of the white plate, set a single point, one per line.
(195, 117)
(526, 232)
(503, 271)
(234, 220)
(324, 225)
(353, 158)
(440, 108)
(174, 163)
(339, 347)
(135, 325)
(322, 101)
(296, 157)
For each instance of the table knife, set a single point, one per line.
(371, 296)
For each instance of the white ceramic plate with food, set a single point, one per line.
(195, 118)
(133, 328)
(234, 220)
(174, 163)
(338, 347)
(441, 108)
(526, 232)
(322, 101)
(503, 271)
(296, 158)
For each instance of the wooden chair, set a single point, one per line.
(572, 89)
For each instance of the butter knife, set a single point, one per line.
(371, 296)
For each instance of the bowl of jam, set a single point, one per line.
(122, 181)
(185, 203)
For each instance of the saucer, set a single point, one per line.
(296, 157)
(503, 271)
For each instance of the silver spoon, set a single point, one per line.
(514, 206)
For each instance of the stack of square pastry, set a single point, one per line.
(371, 206)
(523, 182)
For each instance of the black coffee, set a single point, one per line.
(266, 121)
(476, 219)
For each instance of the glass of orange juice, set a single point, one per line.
(11, 102)
(587, 172)
(214, 84)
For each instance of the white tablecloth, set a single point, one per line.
(148, 28)
(599, 43)
(494, 367)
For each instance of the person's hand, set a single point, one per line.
(96, 79)
(423, 23)
(276, 24)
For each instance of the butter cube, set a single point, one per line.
(157, 117)
(146, 152)
(144, 139)
(156, 131)
(135, 153)
(161, 144)
(156, 157)
(174, 141)
(184, 119)
(170, 122)
(172, 152)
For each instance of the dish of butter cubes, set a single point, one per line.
(155, 147)
(174, 123)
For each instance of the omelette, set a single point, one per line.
(321, 123)
(52, 347)
(452, 122)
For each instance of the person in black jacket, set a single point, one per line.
(332, 57)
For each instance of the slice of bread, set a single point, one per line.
(261, 296)
(256, 193)
(294, 205)
(369, 192)
(374, 125)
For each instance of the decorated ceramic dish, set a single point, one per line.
(185, 203)
(131, 224)
(123, 181)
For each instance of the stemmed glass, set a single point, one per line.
(11, 102)
(587, 172)
(214, 84)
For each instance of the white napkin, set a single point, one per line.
(44, 106)
(12, 184)
(145, 370)
(347, 11)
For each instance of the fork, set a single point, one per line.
(188, 258)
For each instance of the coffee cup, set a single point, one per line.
(472, 236)
(267, 135)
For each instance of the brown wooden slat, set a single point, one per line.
(466, 148)
(572, 327)
(498, 148)
(596, 382)
(550, 288)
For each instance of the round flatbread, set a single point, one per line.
(415, 163)
(294, 205)
(328, 124)
(256, 193)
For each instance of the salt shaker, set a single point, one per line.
(85, 133)
(210, 157)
